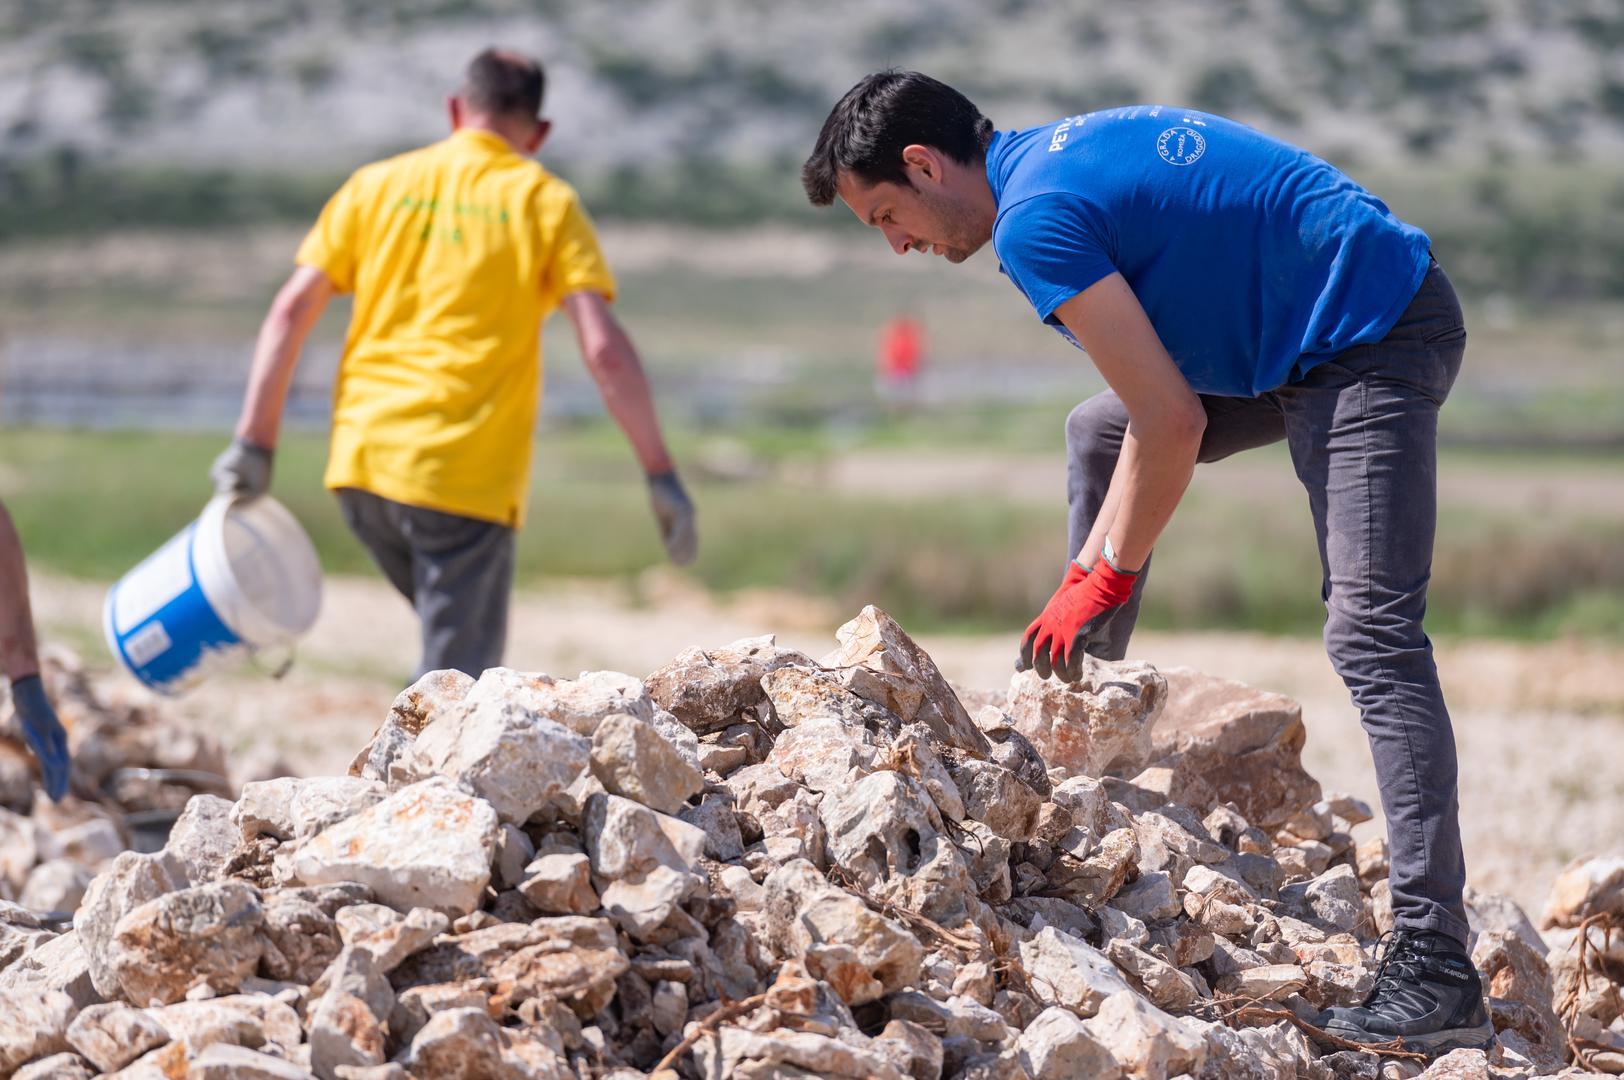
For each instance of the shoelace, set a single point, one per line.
(1400, 965)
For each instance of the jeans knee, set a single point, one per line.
(1096, 425)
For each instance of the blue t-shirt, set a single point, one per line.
(1253, 259)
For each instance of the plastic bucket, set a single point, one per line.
(241, 578)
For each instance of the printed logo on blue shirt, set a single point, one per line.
(1181, 145)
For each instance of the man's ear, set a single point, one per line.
(539, 136)
(924, 161)
(453, 111)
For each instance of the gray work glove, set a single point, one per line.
(243, 469)
(675, 513)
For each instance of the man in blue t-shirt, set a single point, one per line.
(1234, 291)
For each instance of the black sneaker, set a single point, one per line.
(1427, 993)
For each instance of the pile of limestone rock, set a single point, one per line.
(751, 864)
(133, 771)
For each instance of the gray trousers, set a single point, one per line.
(1362, 431)
(457, 572)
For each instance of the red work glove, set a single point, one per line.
(1086, 599)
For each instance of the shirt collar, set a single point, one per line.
(995, 178)
(487, 140)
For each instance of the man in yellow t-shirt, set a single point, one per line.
(455, 254)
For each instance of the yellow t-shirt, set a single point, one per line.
(455, 254)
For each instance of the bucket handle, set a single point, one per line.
(274, 665)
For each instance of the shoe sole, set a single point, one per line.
(1480, 1037)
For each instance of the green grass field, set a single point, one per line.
(91, 505)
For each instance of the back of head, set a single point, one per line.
(885, 112)
(502, 83)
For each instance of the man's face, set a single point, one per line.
(925, 216)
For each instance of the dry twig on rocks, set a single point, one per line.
(928, 928)
(1582, 1050)
(709, 1025)
(1236, 1010)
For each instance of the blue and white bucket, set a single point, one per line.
(242, 578)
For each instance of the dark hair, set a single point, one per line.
(868, 128)
(504, 83)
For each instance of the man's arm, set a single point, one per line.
(298, 304)
(243, 469)
(1165, 420)
(612, 362)
(19, 653)
(614, 366)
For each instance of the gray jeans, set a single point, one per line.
(456, 571)
(1362, 430)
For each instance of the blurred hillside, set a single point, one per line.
(160, 112)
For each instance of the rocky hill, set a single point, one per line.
(642, 84)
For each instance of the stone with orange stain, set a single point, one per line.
(1100, 723)
(428, 845)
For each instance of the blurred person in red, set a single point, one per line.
(900, 356)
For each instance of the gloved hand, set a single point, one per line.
(44, 733)
(675, 513)
(1057, 640)
(242, 469)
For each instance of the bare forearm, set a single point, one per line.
(1145, 490)
(627, 395)
(19, 652)
(281, 339)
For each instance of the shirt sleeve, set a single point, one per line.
(1053, 246)
(330, 246)
(575, 262)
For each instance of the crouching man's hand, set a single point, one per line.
(1076, 614)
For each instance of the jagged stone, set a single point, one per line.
(225, 1062)
(56, 885)
(1332, 898)
(998, 798)
(914, 753)
(110, 1036)
(714, 814)
(578, 704)
(205, 935)
(1145, 1041)
(1228, 742)
(1099, 723)
(203, 839)
(861, 954)
(1151, 898)
(911, 685)
(883, 830)
(414, 708)
(1585, 887)
(60, 963)
(710, 689)
(740, 1054)
(428, 845)
(1067, 971)
(1099, 877)
(466, 1044)
(64, 1066)
(513, 757)
(33, 1023)
(560, 883)
(130, 881)
(291, 808)
(1059, 1046)
(298, 939)
(1164, 984)
(630, 758)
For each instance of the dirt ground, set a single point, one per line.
(1539, 726)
